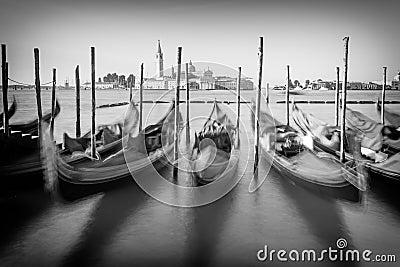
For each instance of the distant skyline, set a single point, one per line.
(307, 35)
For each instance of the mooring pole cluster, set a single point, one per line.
(340, 100)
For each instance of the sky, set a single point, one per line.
(307, 35)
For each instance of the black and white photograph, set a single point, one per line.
(200, 133)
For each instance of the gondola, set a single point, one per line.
(215, 149)
(11, 111)
(20, 163)
(389, 168)
(105, 134)
(392, 117)
(294, 157)
(84, 176)
(20, 160)
(108, 138)
(31, 127)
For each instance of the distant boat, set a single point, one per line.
(291, 92)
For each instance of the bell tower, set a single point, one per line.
(159, 62)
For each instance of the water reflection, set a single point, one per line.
(386, 191)
(111, 212)
(206, 228)
(19, 210)
(324, 218)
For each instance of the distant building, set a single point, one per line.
(206, 81)
(194, 86)
(396, 82)
(230, 83)
(171, 84)
(319, 85)
(159, 62)
(354, 85)
(366, 86)
(152, 83)
(331, 85)
(101, 85)
(121, 81)
(371, 86)
(198, 79)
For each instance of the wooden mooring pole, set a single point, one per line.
(130, 88)
(344, 96)
(337, 105)
(257, 115)
(238, 106)
(78, 102)
(38, 97)
(383, 96)
(141, 98)
(176, 132)
(187, 104)
(4, 84)
(267, 94)
(93, 130)
(53, 104)
(287, 95)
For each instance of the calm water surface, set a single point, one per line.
(126, 227)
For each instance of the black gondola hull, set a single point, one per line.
(345, 191)
(70, 191)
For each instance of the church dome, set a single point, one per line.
(191, 67)
(208, 73)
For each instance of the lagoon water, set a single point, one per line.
(126, 227)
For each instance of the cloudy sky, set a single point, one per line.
(307, 35)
